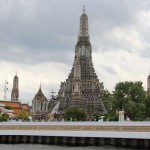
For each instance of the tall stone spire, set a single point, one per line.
(148, 84)
(82, 88)
(15, 89)
(83, 46)
(83, 24)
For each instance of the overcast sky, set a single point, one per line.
(37, 39)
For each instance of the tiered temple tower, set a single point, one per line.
(40, 107)
(15, 89)
(82, 88)
(148, 84)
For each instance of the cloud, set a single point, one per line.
(47, 26)
(49, 73)
(38, 39)
(109, 69)
(126, 67)
(35, 28)
(121, 38)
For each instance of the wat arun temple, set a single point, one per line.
(82, 88)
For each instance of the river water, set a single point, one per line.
(52, 147)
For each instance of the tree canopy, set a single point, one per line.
(3, 117)
(129, 96)
(8, 107)
(75, 114)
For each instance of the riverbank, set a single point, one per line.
(129, 134)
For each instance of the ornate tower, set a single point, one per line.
(40, 106)
(82, 88)
(15, 89)
(148, 84)
(76, 87)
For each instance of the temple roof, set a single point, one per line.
(13, 104)
(40, 96)
(148, 76)
(15, 77)
(16, 106)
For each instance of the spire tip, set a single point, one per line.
(40, 83)
(83, 8)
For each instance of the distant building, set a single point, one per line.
(17, 107)
(26, 108)
(82, 88)
(40, 107)
(148, 84)
(6, 111)
(52, 104)
(15, 89)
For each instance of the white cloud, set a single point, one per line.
(37, 39)
(49, 73)
(128, 67)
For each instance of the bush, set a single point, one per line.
(4, 117)
(75, 114)
(8, 107)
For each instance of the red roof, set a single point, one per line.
(17, 107)
(12, 104)
(17, 110)
(26, 108)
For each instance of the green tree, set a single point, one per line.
(131, 97)
(148, 107)
(96, 116)
(0, 115)
(8, 107)
(4, 117)
(110, 108)
(107, 99)
(75, 113)
(24, 116)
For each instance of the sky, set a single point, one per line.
(38, 38)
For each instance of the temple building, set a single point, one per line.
(40, 107)
(17, 107)
(15, 89)
(82, 88)
(148, 84)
